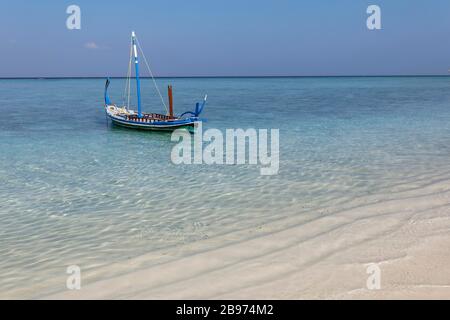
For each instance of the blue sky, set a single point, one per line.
(226, 37)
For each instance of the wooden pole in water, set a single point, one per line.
(170, 101)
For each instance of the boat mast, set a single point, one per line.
(170, 101)
(138, 82)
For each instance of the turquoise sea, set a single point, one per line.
(76, 190)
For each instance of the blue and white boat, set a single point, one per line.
(136, 119)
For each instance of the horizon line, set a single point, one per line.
(237, 76)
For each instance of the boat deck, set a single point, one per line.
(148, 117)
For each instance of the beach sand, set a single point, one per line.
(406, 234)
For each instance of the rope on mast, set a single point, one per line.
(129, 75)
(151, 74)
(128, 81)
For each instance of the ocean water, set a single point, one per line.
(76, 190)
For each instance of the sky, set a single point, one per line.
(226, 38)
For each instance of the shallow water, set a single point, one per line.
(76, 190)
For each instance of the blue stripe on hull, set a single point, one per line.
(159, 125)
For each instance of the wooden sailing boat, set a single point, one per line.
(126, 117)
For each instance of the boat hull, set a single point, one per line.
(156, 125)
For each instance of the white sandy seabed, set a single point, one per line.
(407, 235)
